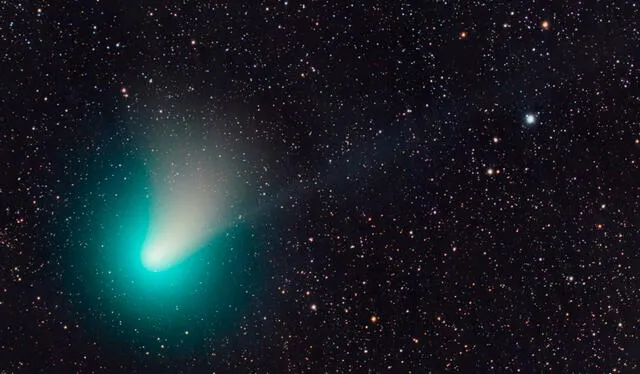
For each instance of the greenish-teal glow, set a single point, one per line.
(157, 247)
(154, 259)
(152, 252)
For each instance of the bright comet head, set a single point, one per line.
(155, 258)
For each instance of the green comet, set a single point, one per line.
(163, 252)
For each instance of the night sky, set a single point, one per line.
(382, 187)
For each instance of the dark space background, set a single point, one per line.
(396, 212)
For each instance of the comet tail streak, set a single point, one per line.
(184, 211)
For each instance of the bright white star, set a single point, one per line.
(530, 119)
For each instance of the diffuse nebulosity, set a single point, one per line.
(185, 210)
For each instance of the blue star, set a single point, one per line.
(530, 119)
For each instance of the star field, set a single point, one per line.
(397, 187)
